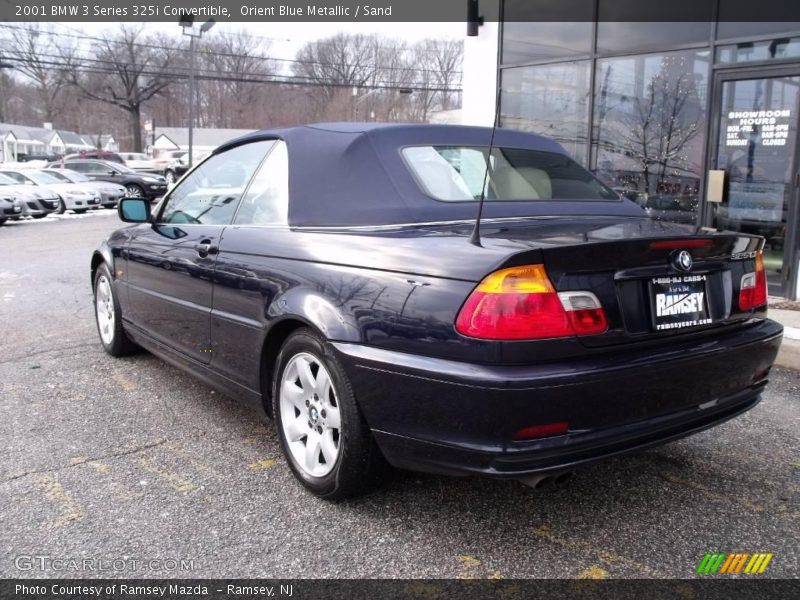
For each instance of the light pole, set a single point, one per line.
(187, 23)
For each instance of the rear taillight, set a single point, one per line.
(753, 289)
(520, 303)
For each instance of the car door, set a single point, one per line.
(171, 261)
(248, 276)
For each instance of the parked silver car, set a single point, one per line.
(35, 201)
(73, 197)
(10, 208)
(110, 193)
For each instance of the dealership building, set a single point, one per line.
(696, 121)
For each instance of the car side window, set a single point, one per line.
(89, 168)
(18, 177)
(266, 201)
(210, 194)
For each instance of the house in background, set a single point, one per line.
(8, 145)
(18, 141)
(66, 142)
(166, 139)
(101, 141)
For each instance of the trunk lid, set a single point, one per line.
(633, 267)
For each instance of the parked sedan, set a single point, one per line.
(71, 196)
(110, 193)
(10, 207)
(140, 185)
(367, 314)
(34, 201)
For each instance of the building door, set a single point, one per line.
(755, 142)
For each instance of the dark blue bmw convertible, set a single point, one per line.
(333, 277)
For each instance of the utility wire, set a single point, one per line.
(217, 53)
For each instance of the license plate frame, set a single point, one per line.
(679, 306)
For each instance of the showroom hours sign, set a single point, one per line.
(767, 127)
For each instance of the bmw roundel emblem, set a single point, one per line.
(683, 261)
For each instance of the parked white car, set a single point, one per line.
(139, 162)
(72, 196)
(110, 193)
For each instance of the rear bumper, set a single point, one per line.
(455, 418)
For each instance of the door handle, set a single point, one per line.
(205, 247)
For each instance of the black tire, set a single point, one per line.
(134, 191)
(120, 344)
(359, 466)
(62, 208)
(79, 211)
(38, 216)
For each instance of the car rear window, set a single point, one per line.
(457, 174)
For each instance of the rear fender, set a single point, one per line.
(316, 310)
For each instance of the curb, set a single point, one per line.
(789, 354)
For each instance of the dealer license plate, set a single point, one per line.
(678, 302)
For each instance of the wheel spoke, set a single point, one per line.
(328, 447)
(297, 429)
(322, 384)
(305, 374)
(294, 394)
(312, 451)
(332, 417)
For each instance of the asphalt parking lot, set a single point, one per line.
(131, 459)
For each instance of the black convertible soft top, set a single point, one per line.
(352, 174)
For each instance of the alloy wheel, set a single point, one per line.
(104, 308)
(134, 191)
(310, 416)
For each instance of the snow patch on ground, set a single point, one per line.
(67, 216)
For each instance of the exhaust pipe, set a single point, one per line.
(539, 481)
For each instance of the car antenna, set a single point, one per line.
(475, 238)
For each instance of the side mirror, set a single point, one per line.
(112, 172)
(134, 210)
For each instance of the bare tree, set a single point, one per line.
(126, 70)
(231, 67)
(663, 122)
(337, 64)
(441, 61)
(46, 60)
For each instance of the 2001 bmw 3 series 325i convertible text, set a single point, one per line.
(329, 275)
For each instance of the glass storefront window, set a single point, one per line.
(530, 42)
(536, 30)
(728, 29)
(777, 49)
(648, 131)
(551, 100)
(617, 37)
